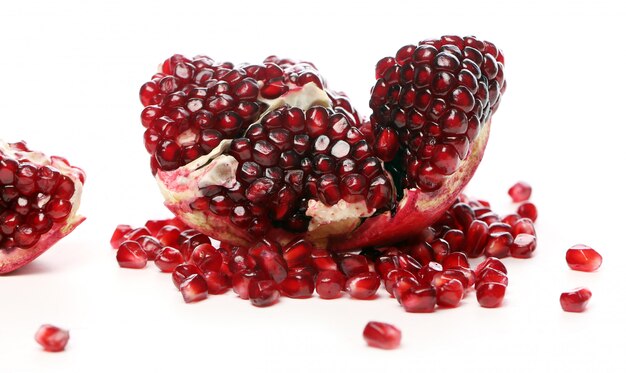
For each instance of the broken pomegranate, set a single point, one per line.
(575, 300)
(39, 200)
(583, 258)
(52, 338)
(269, 150)
(382, 335)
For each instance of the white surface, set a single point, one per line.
(71, 75)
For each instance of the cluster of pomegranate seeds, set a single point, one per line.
(575, 300)
(382, 335)
(430, 102)
(52, 338)
(432, 271)
(33, 197)
(192, 104)
(290, 157)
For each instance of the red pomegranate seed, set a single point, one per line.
(52, 338)
(382, 335)
(476, 238)
(322, 260)
(457, 259)
(263, 293)
(298, 253)
(575, 300)
(241, 282)
(426, 273)
(523, 225)
(270, 263)
(404, 284)
(136, 233)
(154, 226)
(490, 294)
(329, 284)
(419, 299)
(520, 191)
(168, 235)
(511, 219)
(450, 293)
(168, 259)
(499, 244)
(131, 255)
(297, 285)
(352, 265)
(455, 273)
(393, 276)
(492, 275)
(363, 285)
(119, 235)
(206, 258)
(217, 282)
(491, 262)
(583, 258)
(183, 272)
(523, 246)
(528, 210)
(187, 247)
(150, 245)
(194, 289)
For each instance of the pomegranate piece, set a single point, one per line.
(363, 285)
(194, 289)
(52, 338)
(131, 255)
(528, 210)
(268, 150)
(263, 293)
(583, 258)
(39, 199)
(382, 335)
(329, 284)
(419, 299)
(520, 191)
(168, 259)
(490, 294)
(575, 300)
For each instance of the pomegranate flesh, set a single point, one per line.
(52, 338)
(39, 200)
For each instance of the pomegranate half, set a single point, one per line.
(243, 152)
(39, 200)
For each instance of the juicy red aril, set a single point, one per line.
(329, 284)
(297, 285)
(450, 293)
(184, 271)
(491, 262)
(426, 273)
(297, 253)
(382, 335)
(498, 244)
(520, 191)
(523, 246)
(352, 265)
(575, 300)
(490, 294)
(194, 288)
(419, 299)
(263, 293)
(523, 225)
(119, 235)
(241, 282)
(363, 285)
(52, 338)
(403, 284)
(206, 258)
(527, 210)
(270, 263)
(583, 258)
(150, 245)
(217, 282)
(168, 235)
(168, 259)
(457, 259)
(476, 238)
(492, 275)
(131, 255)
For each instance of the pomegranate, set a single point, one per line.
(575, 300)
(52, 338)
(39, 200)
(583, 258)
(382, 335)
(269, 150)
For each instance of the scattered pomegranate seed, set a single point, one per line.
(583, 258)
(119, 235)
(575, 300)
(450, 293)
(297, 285)
(520, 191)
(131, 255)
(419, 299)
(168, 259)
(194, 288)
(263, 293)
(363, 285)
(382, 335)
(52, 338)
(329, 284)
(490, 294)
(528, 210)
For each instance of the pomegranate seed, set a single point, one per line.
(490, 294)
(528, 210)
(363, 285)
(217, 282)
(353, 265)
(168, 235)
(523, 246)
(393, 276)
(456, 259)
(136, 233)
(575, 300)
(270, 263)
(150, 245)
(298, 253)
(329, 284)
(168, 259)
(450, 293)
(382, 335)
(263, 293)
(492, 275)
(183, 272)
(419, 299)
(523, 225)
(206, 258)
(456, 273)
(520, 191)
(404, 284)
(322, 260)
(297, 285)
(476, 238)
(583, 258)
(491, 262)
(426, 274)
(241, 282)
(119, 235)
(52, 338)
(194, 289)
(131, 255)
(498, 244)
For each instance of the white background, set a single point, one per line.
(71, 72)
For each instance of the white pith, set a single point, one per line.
(184, 184)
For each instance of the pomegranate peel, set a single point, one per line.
(36, 209)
